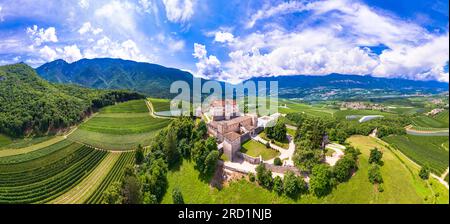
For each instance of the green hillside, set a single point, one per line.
(30, 105)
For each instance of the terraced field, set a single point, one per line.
(28, 146)
(160, 104)
(432, 150)
(430, 122)
(46, 178)
(120, 127)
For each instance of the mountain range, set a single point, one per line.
(155, 80)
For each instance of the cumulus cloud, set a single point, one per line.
(223, 37)
(339, 44)
(121, 14)
(208, 67)
(106, 47)
(87, 28)
(40, 36)
(179, 10)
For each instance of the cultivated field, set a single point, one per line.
(288, 106)
(423, 150)
(120, 127)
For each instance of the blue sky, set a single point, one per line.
(236, 39)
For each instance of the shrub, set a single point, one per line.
(293, 185)
(375, 156)
(424, 172)
(277, 162)
(251, 177)
(344, 167)
(264, 176)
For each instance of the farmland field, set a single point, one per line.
(288, 106)
(120, 127)
(87, 187)
(160, 104)
(429, 122)
(115, 174)
(41, 184)
(423, 150)
(11, 149)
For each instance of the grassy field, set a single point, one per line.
(29, 149)
(120, 127)
(23, 143)
(256, 149)
(423, 150)
(402, 185)
(87, 187)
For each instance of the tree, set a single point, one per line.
(320, 182)
(177, 197)
(184, 148)
(375, 156)
(305, 157)
(424, 172)
(202, 129)
(277, 132)
(293, 185)
(149, 199)
(343, 169)
(113, 194)
(131, 189)
(211, 162)
(278, 185)
(154, 178)
(139, 155)
(375, 174)
(264, 176)
(170, 148)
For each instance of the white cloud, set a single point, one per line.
(71, 53)
(334, 45)
(223, 37)
(269, 11)
(119, 14)
(106, 47)
(84, 4)
(48, 54)
(1, 16)
(40, 36)
(179, 10)
(208, 67)
(87, 28)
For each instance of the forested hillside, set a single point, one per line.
(106, 73)
(31, 105)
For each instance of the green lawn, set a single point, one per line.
(120, 127)
(431, 150)
(256, 149)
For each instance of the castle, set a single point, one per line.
(229, 127)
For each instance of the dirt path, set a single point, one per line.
(152, 111)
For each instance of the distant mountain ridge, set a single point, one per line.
(106, 73)
(155, 80)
